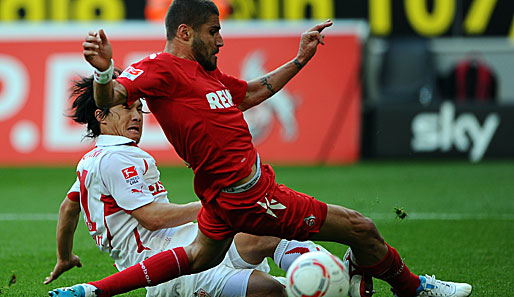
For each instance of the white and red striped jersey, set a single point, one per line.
(117, 177)
(113, 179)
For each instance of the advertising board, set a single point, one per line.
(314, 119)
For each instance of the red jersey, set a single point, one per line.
(198, 113)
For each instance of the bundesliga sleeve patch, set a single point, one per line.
(130, 175)
(131, 73)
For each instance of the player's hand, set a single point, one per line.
(97, 50)
(62, 266)
(310, 40)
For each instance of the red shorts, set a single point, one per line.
(265, 209)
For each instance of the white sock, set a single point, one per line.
(288, 250)
(237, 261)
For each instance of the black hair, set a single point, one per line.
(84, 107)
(190, 12)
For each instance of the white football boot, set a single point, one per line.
(80, 290)
(432, 287)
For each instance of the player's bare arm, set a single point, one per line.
(266, 86)
(97, 51)
(69, 213)
(109, 96)
(155, 216)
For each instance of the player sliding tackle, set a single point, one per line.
(237, 191)
(128, 213)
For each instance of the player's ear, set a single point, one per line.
(99, 115)
(184, 32)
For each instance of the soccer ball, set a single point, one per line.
(317, 274)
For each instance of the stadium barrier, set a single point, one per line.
(443, 130)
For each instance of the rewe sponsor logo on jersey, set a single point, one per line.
(432, 131)
(131, 73)
(219, 99)
(130, 175)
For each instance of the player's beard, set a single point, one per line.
(202, 55)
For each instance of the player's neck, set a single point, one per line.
(179, 49)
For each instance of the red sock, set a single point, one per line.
(393, 270)
(157, 269)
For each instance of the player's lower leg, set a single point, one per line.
(150, 272)
(393, 270)
(373, 256)
(157, 269)
(361, 285)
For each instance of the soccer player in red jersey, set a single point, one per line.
(200, 110)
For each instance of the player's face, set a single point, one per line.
(207, 42)
(124, 120)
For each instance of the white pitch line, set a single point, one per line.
(414, 216)
(28, 216)
(439, 216)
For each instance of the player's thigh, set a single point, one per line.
(219, 281)
(262, 284)
(222, 281)
(278, 211)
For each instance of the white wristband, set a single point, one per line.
(103, 77)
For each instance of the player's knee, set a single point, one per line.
(203, 263)
(365, 232)
(350, 227)
(255, 248)
(200, 260)
(276, 290)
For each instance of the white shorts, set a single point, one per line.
(230, 278)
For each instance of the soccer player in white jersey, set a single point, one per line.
(127, 212)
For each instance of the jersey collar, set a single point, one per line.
(189, 67)
(111, 140)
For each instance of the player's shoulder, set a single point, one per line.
(150, 66)
(154, 59)
(92, 155)
(124, 154)
(88, 164)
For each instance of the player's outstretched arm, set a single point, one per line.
(97, 51)
(266, 86)
(69, 213)
(156, 215)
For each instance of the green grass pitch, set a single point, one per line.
(459, 224)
